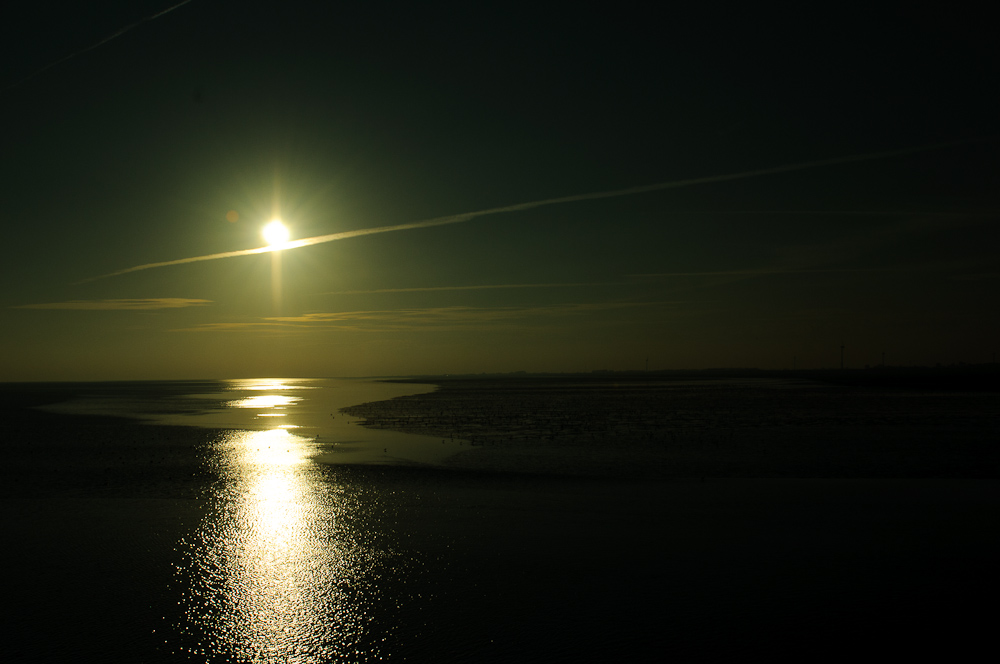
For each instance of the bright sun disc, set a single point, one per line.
(275, 232)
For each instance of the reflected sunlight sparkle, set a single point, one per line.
(273, 572)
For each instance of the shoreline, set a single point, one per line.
(635, 433)
(759, 428)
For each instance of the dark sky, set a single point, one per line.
(344, 116)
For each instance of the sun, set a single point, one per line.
(275, 233)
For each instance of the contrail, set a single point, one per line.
(854, 213)
(754, 272)
(117, 34)
(519, 207)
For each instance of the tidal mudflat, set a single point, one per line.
(659, 427)
(129, 541)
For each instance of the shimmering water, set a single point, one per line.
(235, 543)
(272, 572)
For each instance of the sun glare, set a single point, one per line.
(275, 233)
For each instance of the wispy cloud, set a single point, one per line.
(847, 213)
(754, 272)
(431, 289)
(81, 51)
(139, 304)
(880, 241)
(435, 318)
(457, 315)
(519, 207)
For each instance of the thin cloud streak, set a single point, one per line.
(431, 289)
(140, 304)
(520, 207)
(764, 271)
(430, 318)
(458, 314)
(852, 213)
(86, 49)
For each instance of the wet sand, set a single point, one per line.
(749, 428)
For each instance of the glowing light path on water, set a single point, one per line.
(272, 573)
(284, 566)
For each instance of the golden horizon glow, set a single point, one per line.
(276, 233)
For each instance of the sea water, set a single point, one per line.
(233, 543)
(277, 559)
(303, 415)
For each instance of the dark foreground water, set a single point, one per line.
(143, 543)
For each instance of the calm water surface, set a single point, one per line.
(279, 568)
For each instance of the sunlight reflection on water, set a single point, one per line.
(263, 401)
(273, 573)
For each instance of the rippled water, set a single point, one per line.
(273, 573)
(277, 571)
